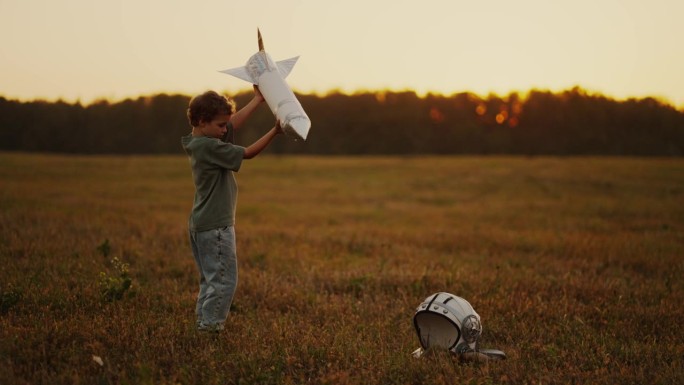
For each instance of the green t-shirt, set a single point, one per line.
(213, 162)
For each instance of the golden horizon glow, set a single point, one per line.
(81, 50)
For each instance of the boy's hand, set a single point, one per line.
(257, 94)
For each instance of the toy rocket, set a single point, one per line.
(270, 76)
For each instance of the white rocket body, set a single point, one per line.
(270, 76)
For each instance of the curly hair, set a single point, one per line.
(206, 106)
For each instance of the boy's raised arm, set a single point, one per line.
(239, 118)
(255, 148)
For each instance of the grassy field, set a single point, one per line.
(575, 266)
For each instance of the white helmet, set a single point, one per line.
(447, 321)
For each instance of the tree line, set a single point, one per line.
(571, 122)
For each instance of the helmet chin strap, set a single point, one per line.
(464, 348)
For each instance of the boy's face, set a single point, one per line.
(215, 128)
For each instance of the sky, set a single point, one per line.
(84, 50)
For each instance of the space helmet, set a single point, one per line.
(447, 321)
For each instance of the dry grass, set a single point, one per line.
(575, 266)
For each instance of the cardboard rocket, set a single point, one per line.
(270, 76)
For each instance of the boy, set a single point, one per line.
(213, 160)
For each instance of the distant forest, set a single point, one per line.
(572, 122)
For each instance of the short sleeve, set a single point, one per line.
(229, 137)
(226, 155)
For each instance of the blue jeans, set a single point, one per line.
(216, 258)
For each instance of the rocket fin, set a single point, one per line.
(241, 73)
(285, 66)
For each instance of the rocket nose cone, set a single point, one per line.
(260, 40)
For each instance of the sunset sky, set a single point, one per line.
(89, 49)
